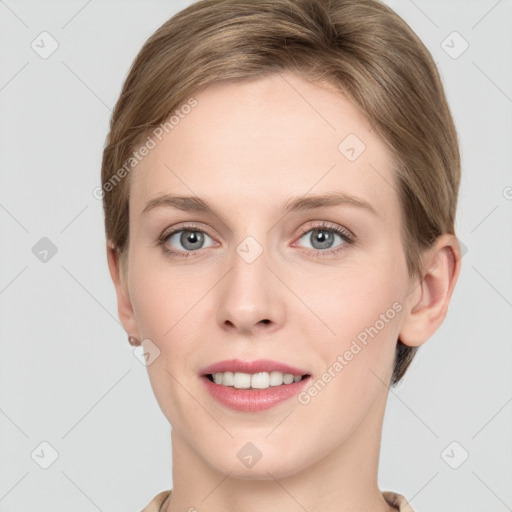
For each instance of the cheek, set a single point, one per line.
(356, 332)
(349, 303)
(357, 361)
(165, 300)
(167, 313)
(171, 310)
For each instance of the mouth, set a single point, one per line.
(259, 380)
(252, 386)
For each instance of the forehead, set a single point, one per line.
(258, 142)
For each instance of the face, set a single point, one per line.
(261, 279)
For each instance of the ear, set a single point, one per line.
(124, 304)
(427, 303)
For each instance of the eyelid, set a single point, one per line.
(185, 226)
(167, 234)
(346, 235)
(328, 226)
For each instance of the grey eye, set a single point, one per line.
(189, 239)
(321, 238)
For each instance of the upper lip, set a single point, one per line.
(257, 366)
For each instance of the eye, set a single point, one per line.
(322, 238)
(187, 239)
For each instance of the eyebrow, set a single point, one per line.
(303, 203)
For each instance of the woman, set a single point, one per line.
(280, 185)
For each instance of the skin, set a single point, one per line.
(247, 148)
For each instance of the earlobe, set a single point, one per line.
(429, 300)
(124, 304)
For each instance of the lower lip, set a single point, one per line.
(253, 400)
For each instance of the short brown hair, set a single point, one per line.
(362, 47)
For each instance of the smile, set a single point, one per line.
(253, 386)
(260, 380)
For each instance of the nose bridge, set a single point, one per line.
(249, 296)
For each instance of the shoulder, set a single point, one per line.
(397, 501)
(155, 504)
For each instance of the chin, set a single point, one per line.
(268, 467)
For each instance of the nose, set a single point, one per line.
(250, 299)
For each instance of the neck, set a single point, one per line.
(343, 480)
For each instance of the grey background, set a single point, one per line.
(67, 374)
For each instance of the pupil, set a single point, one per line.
(190, 239)
(324, 238)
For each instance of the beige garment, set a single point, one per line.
(394, 499)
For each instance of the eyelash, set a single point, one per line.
(347, 237)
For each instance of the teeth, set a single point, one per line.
(276, 378)
(287, 378)
(228, 379)
(261, 380)
(242, 380)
